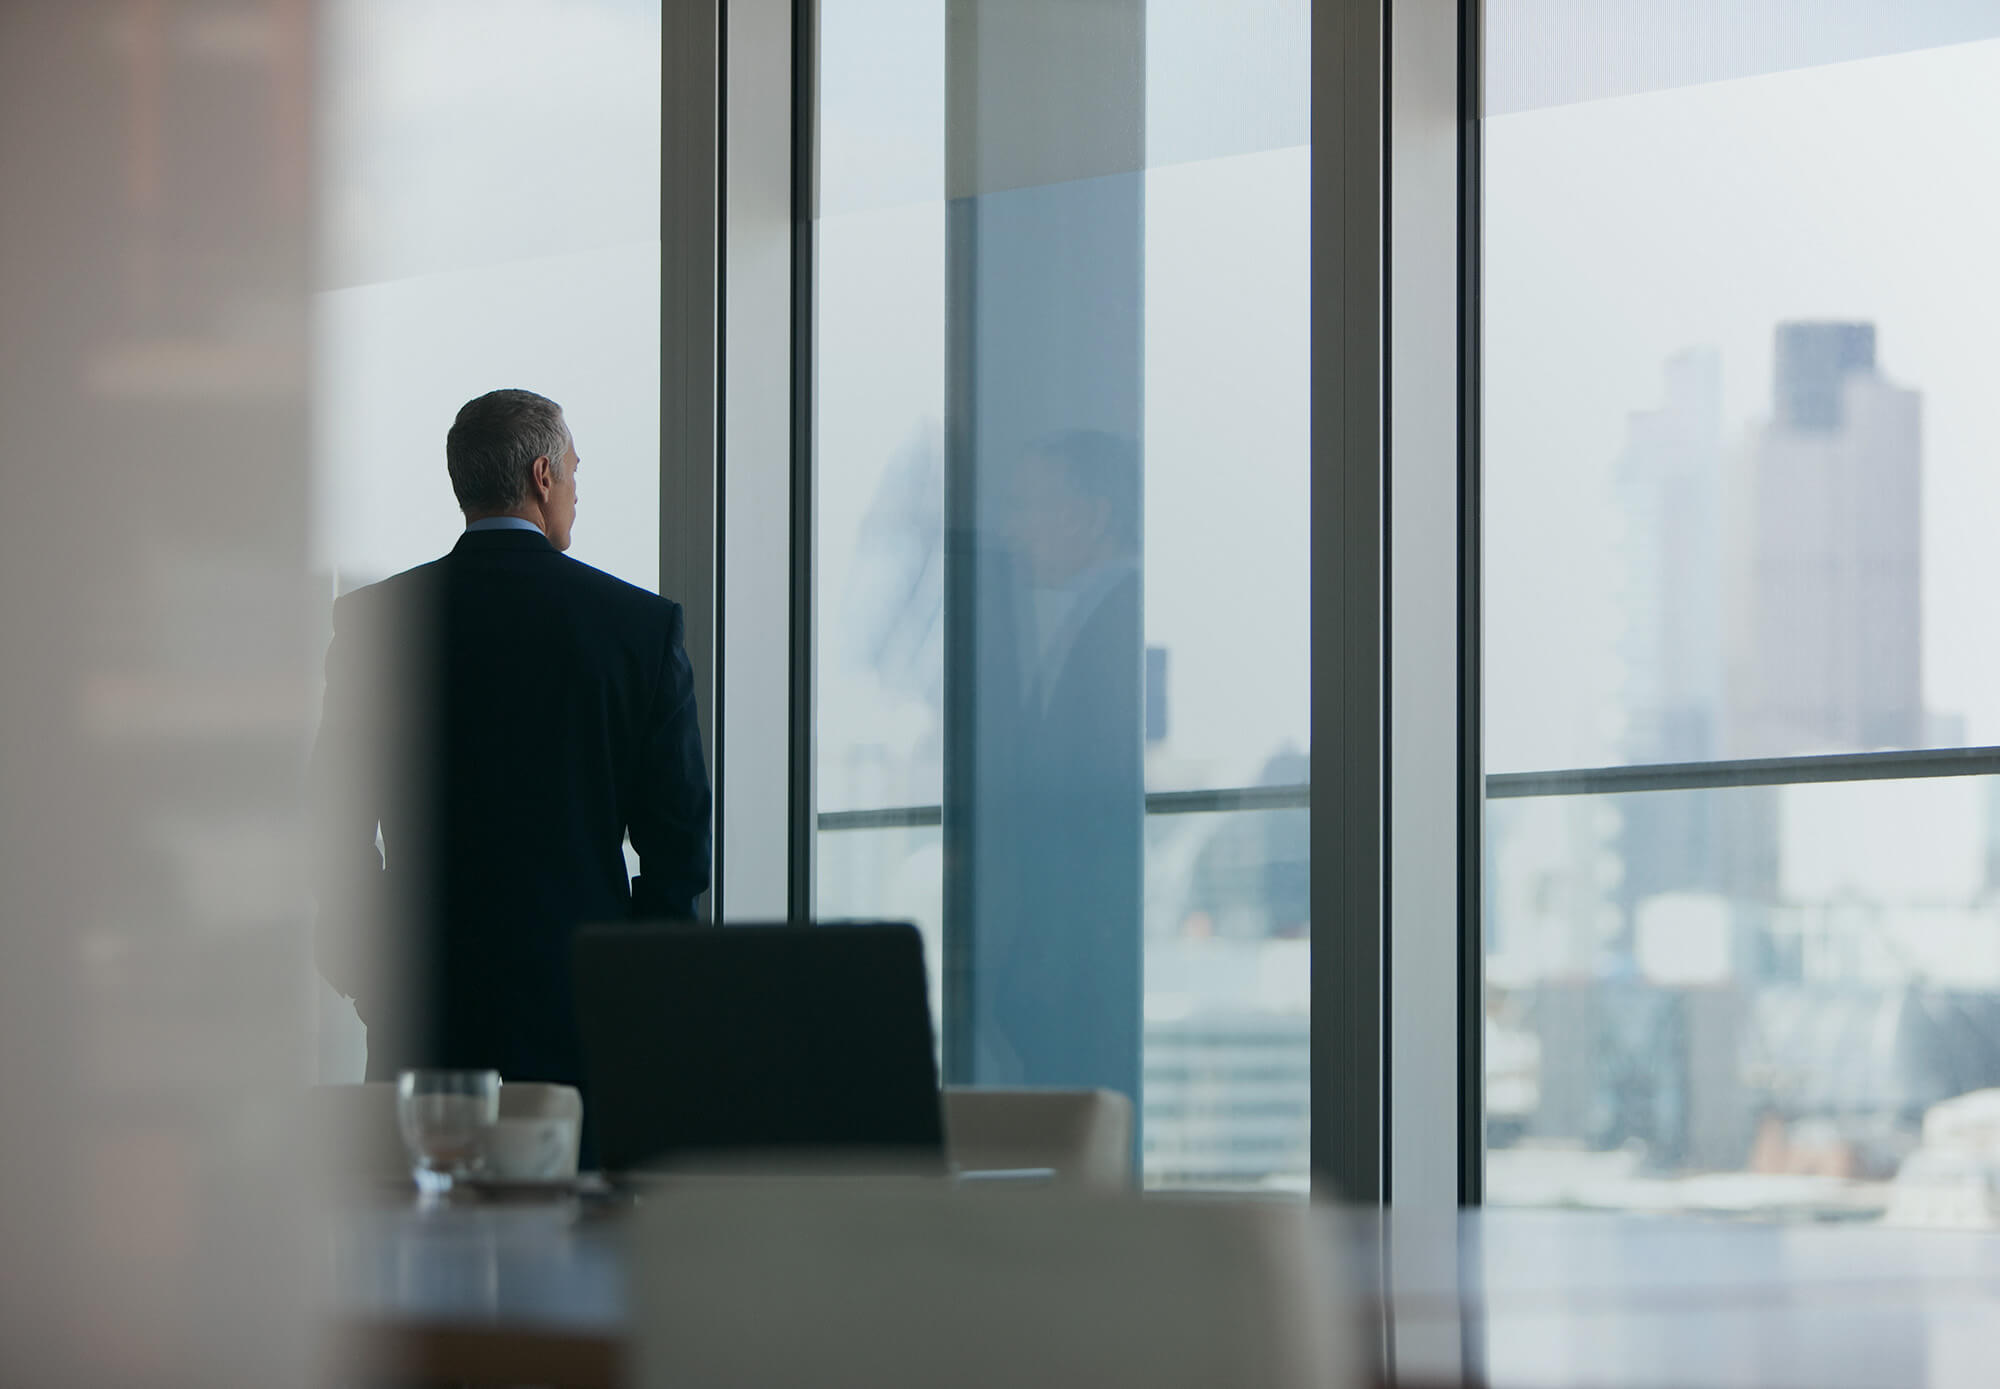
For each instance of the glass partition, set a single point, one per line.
(1061, 394)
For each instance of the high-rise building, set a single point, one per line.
(1773, 607)
(1812, 363)
(1825, 646)
(1669, 487)
(1669, 482)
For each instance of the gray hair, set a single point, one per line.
(493, 444)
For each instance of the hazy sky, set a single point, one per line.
(1621, 231)
(490, 184)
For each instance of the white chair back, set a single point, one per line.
(1084, 1136)
(859, 1285)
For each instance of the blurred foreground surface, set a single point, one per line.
(1537, 1299)
(153, 963)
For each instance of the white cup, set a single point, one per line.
(530, 1149)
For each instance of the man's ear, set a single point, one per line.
(545, 478)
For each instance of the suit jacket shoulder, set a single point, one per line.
(607, 597)
(372, 604)
(624, 599)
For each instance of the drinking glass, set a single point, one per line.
(444, 1116)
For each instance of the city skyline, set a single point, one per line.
(1731, 980)
(1617, 233)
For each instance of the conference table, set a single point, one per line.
(537, 1294)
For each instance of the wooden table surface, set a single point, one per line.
(1527, 1299)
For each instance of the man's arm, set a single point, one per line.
(668, 820)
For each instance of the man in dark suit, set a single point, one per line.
(505, 717)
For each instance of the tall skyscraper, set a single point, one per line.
(1825, 647)
(1773, 606)
(1669, 486)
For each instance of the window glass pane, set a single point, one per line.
(1736, 417)
(1228, 427)
(1228, 1075)
(880, 407)
(490, 211)
(1735, 446)
(1227, 1031)
(488, 216)
(1821, 1039)
(1061, 430)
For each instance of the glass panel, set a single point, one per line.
(1737, 421)
(1736, 436)
(1063, 551)
(1228, 1021)
(1227, 1017)
(491, 189)
(1815, 1036)
(1228, 429)
(489, 216)
(880, 408)
(888, 875)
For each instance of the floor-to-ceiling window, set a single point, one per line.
(1742, 898)
(1060, 433)
(488, 216)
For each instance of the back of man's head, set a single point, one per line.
(492, 448)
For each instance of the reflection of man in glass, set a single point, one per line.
(1076, 528)
(1062, 957)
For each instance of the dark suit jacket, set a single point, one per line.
(507, 716)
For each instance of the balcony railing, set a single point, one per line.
(1916, 765)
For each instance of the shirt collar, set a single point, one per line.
(503, 523)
